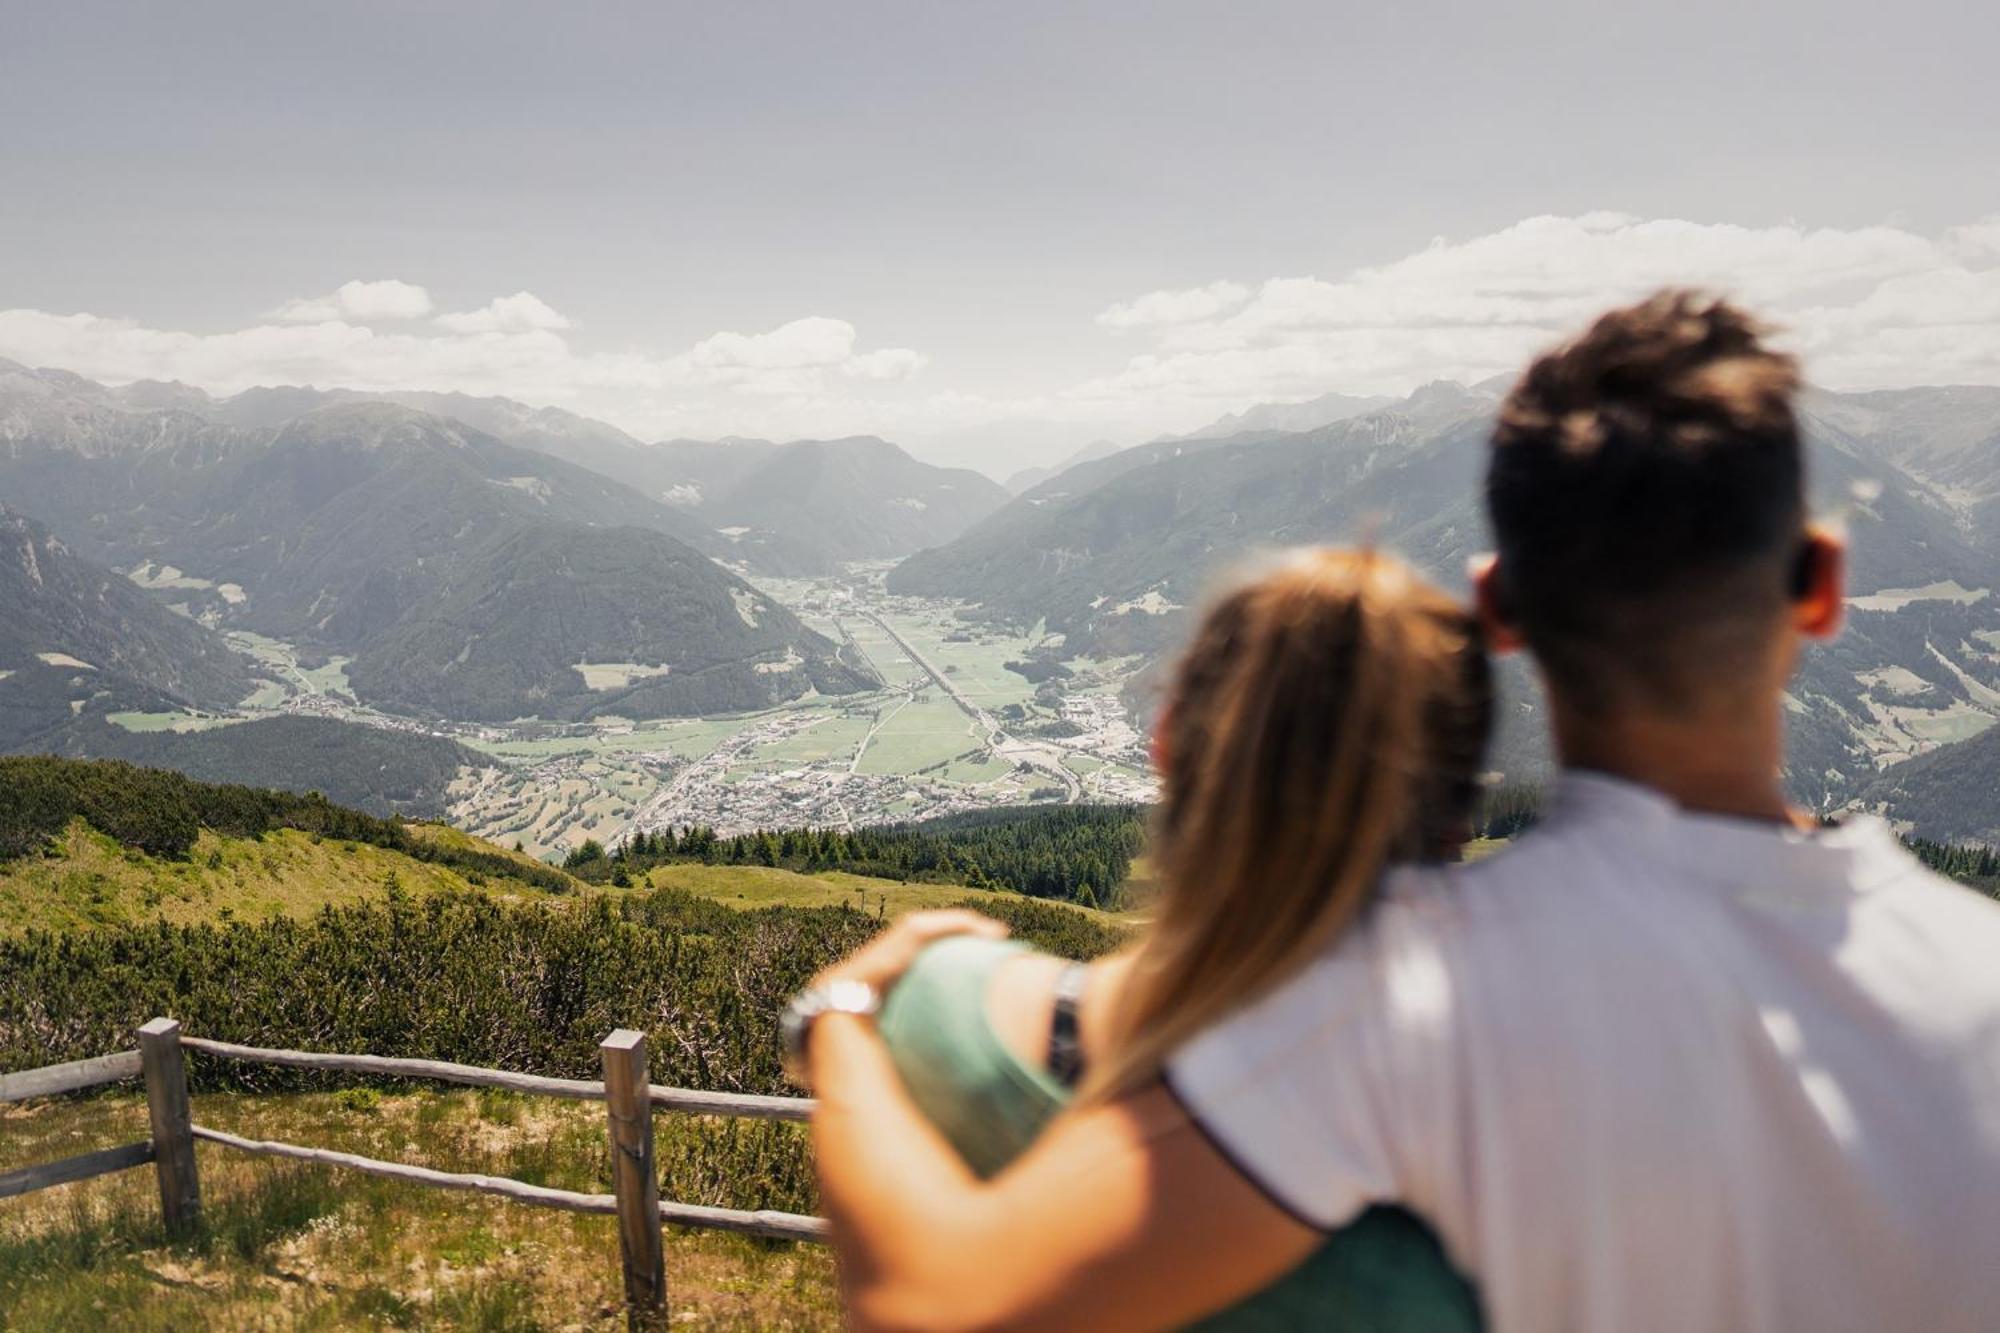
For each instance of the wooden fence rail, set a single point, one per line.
(51, 1080)
(688, 1100)
(630, 1101)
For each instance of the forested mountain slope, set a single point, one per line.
(75, 636)
(662, 630)
(1950, 794)
(413, 543)
(372, 769)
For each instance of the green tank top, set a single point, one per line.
(1384, 1272)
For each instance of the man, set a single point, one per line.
(1678, 1059)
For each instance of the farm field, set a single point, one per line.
(908, 751)
(169, 721)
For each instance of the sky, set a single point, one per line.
(992, 232)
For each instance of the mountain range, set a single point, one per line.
(1110, 554)
(476, 559)
(805, 506)
(440, 559)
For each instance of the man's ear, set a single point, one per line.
(1819, 585)
(1161, 752)
(1492, 606)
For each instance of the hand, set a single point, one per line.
(886, 957)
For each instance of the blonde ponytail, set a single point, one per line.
(1327, 719)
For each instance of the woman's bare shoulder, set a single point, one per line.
(1020, 1001)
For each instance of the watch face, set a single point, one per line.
(851, 997)
(792, 1025)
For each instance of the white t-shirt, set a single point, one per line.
(1647, 1069)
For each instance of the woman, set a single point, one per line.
(1327, 721)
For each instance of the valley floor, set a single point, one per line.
(952, 729)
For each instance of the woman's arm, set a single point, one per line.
(1120, 1216)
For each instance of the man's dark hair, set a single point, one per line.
(1646, 488)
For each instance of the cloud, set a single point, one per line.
(800, 378)
(359, 302)
(1156, 309)
(523, 312)
(889, 363)
(1867, 307)
(794, 358)
(815, 341)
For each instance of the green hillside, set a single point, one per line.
(97, 842)
(86, 878)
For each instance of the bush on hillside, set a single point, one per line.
(532, 986)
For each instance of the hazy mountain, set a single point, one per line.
(547, 430)
(803, 507)
(379, 531)
(811, 505)
(1030, 477)
(1947, 438)
(1114, 565)
(1312, 414)
(77, 637)
(1111, 552)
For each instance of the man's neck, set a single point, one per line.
(1722, 766)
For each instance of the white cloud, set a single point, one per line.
(1158, 309)
(888, 363)
(774, 383)
(812, 342)
(1867, 307)
(794, 359)
(359, 302)
(523, 312)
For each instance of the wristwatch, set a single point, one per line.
(835, 997)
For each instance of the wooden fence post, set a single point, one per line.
(165, 1068)
(634, 1178)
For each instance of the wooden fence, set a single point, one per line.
(630, 1100)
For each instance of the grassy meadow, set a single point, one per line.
(294, 1246)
